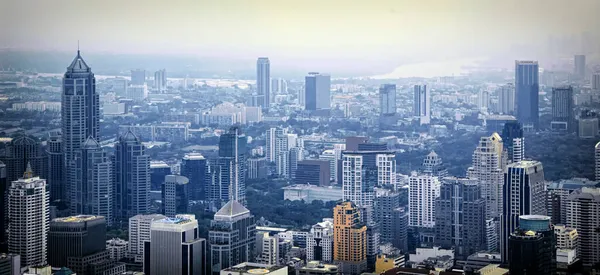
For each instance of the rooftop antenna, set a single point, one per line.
(77, 46)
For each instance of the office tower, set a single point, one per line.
(558, 191)
(138, 77)
(280, 144)
(596, 81)
(514, 143)
(132, 178)
(319, 242)
(317, 89)
(232, 168)
(158, 171)
(349, 239)
(523, 194)
(137, 93)
(263, 81)
(386, 202)
(371, 146)
(562, 109)
(423, 191)
(28, 213)
(175, 194)
(363, 171)
(295, 156)
(56, 179)
(527, 89)
(597, 156)
(193, 167)
(267, 248)
(488, 168)
(160, 80)
(422, 105)
(139, 233)
(583, 210)
(92, 181)
(506, 99)
(80, 111)
(387, 99)
(532, 247)
(3, 209)
(117, 249)
(579, 66)
(433, 165)
(257, 168)
(315, 172)
(588, 127)
(400, 229)
(460, 217)
(483, 99)
(79, 242)
(491, 234)
(23, 151)
(330, 156)
(231, 236)
(271, 143)
(10, 264)
(353, 142)
(175, 248)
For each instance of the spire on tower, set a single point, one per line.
(28, 172)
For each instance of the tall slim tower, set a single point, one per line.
(583, 210)
(506, 99)
(524, 194)
(80, 112)
(175, 195)
(23, 151)
(3, 209)
(387, 99)
(317, 90)
(579, 66)
(488, 168)
(597, 155)
(514, 143)
(232, 164)
(193, 166)
(562, 109)
(422, 105)
(160, 80)
(132, 178)
(423, 191)
(263, 81)
(56, 168)
(28, 213)
(527, 89)
(349, 239)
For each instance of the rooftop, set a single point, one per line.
(231, 209)
(253, 268)
(193, 156)
(180, 219)
(78, 218)
(78, 65)
(309, 187)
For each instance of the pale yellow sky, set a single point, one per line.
(292, 28)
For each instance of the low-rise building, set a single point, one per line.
(309, 193)
(255, 269)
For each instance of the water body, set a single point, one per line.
(456, 67)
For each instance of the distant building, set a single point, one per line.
(194, 166)
(317, 92)
(139, 233)
(349, 239)
(4, 185)
(514, 143)
(158, 171)
(583, 206)
(263, 81)
(319, 242)
(160, 80)
(596, 81)
(387, 99)
(597, 157)
(137, 93)
(257, 168)
(579, 66)
(562, 109)
(56, 161)
(422, 104)
(506, 99)
(314, 172)
(588, 127)
(423, 191)
(527, 92)
(309, 193)
(229, 173)
(532, 247)
(138, 77)
(433, 165)
(175, 195)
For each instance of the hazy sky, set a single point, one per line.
(293, 29)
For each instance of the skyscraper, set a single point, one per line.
(562, 109)
(175, 195)
(317, 91)
(460, 217)
(138, 77)
(232, 166)
(514, 143)
(160, 80)
(558, 191)
(92, 181)
(3, 209)
(56, 169)
(532, 246)
(583, 210)
(349, 239)
(139, 233)
(387, 99)
(193, 167)
(132, 178)
(488, 168)
(422, 105)
(231, 237)
(175, 248)
(23, 151)
(315, 172)
(579, 66)
(28, 213)
(597, 155)
(527, 89)
(319, 242)
(596, 81)
(506, 99)
(386, 203)
(423, 191)
(80, 111)
(523, 194)
(433, 165)
(263, 81)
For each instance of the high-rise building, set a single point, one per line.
(317, 89)
(387, 99)
(263, 81)
(79, 242)
(514, 143)
(193, 167)
(596, 81)
(349, 239)
(506, 99)
(460, 217)
(231, 165)
(491, 232)
(567, 246)
(138, 77)
(319, 242)
(558, 191)
(175, 247)
(422, 104)
(267, 248)
(271, 143)
(139, 233)
(175, 195)
(579, 66)
(488, 168)
(80, 112)
(583, 210)
(532, 247)
(400, 229)
(23, 151)
(137, 93)
(10, 264)
(433, 165)
(597, 156)
(423, 191)
(523, 194)
(386, 203)
(527, 89)
(3, 209)
(330, 156)
(256, 168)
(56, 169)
(92, 182)
(315, 172)
(132, 178)
(231, 237)
(28, 215)
(562, 109)
(160, 80)
(158, 171)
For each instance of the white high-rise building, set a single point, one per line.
(160, 80)
(319, 242)
(269, 249)
(139, 232)
(506, 99)
(596, 81)
(28, 212)
(597, 154)
(271, 140)
(363, 171)
(488, 168)
(583, 213)
(263, 81)
(422, 104)
(387, 99)
(138, 93)
(423, 190)
(329, 155)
